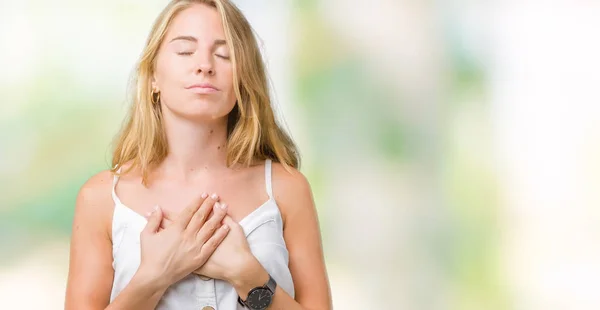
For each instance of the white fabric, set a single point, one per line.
(264, 231)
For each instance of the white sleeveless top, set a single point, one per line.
(264, 232)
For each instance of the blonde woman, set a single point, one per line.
(204, 208)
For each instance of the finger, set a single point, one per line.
(186, 215)
(209, 246)
(166, 220)
(229, 221)
(214, 222)
(153, 221)
(201, 215)
(165, 223)
(169, 215)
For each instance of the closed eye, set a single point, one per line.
(222, 56)
(185, 53)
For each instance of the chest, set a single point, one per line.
(243, 192)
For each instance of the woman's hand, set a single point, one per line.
(233, 262)
(232, 257)
(170, 254)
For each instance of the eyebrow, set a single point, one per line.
(185, 38)
(193, 39)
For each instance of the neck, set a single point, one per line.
(194, 148)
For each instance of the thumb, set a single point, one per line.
(154, 221)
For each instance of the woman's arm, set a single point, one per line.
(142, 292)
(90, 267)
(303, 240)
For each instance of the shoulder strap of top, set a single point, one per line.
(268, 178)
(114, 186)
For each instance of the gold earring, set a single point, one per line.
(152, 95)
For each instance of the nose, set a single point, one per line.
(205, 65)
(206, 69)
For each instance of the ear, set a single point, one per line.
(153, 85)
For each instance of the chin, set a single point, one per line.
(201, 112)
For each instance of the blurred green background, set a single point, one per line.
(452, 146)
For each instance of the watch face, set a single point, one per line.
(259, 298)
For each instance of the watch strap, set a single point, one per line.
(271, 284)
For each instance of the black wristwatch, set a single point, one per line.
(261, 297)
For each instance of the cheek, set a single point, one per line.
(167, 70)
(230, 99)
(227, 82)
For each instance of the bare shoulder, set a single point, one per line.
(291, 190)
(96, 189)
(289, 183)
(94, 200)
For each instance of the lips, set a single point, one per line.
(203, 88)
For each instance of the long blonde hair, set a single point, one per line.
(252, 131)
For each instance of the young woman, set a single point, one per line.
(204, 208)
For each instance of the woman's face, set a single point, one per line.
(193, 70)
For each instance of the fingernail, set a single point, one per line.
(214, 196)
(204, 195)
(217, 205)
(148, 214)
(225, 227)
(223, 206)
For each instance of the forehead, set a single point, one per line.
(199, 20)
